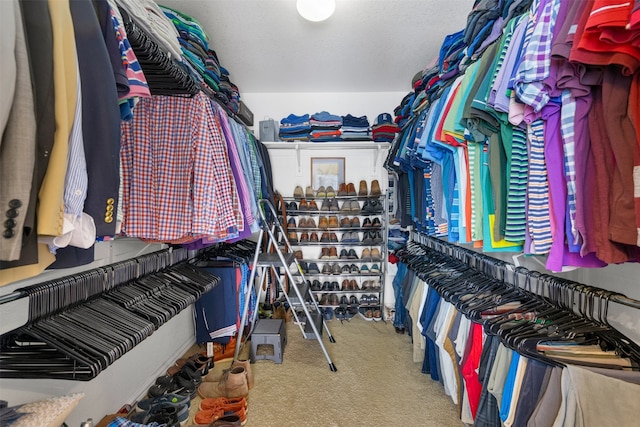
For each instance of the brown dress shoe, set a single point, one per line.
(345, 223)
(333, 238)
(313, 207)
(304, 238)
(293, 237)
(342, 190)
(351, 189)
(333, 222)
(314, 237)
(363, 191)
(323, 222)
(333, 252)
(355, 222)
(375, 188)
(325, 253)
(304, 206)
(311, 223)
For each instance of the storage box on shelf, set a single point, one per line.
(341, 245)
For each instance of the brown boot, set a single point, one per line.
(246, 364)
(232, 384)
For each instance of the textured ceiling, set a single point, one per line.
(366, 46)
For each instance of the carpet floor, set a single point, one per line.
(376, 384)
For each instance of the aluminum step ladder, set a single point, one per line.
(279, 259)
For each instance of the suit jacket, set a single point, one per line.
(17, 154)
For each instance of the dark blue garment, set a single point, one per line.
(218, 308)
(350, 120)
(292, 119)
(401, 315)
(430, 364)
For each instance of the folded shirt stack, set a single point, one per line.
(355, 128)
(384, 128)
(325, 127)
(295, 128)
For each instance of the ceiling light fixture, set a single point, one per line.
(316, 10)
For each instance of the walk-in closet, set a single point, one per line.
(345, 213)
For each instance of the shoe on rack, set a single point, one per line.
(326, 269)
(376, 206)
(333, 237)
(292, 236)
(326, 286)
(346, 237)
(333, 252)
(353, 269)
(362, 191)
(292, 208)
(313, 206)
(344, 254)
(344, 300)
(291, 224)
(324, 254)
(333, 298)
(346, 207)
(355, 206)
(345, 269)
(333, 205)
(304, 237)
(342, 190)
(367, 209)
(345, 223)
(323, 223)
(367, 238)
(327, 313)
(302, 222)
(366, 255)
(321, 193)
(353, 300)
(351, 189)
(303, 206)
(355, 222)
(376, 223)
(375, 188)
(376, 236)
(345, 285)
(313, 268)
(316, 286)
(355, 237)
(335, 269)
(354, 285)
(364, 269)
(375, 269)
(309, 193)
(331, 192)
(298, 193)
(352, 254)
(325, 205)
(333, 222)
(324, 238)
(313, 238)
(367, 223)
(375, 254)
(335, 286)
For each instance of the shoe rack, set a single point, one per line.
(340, 240)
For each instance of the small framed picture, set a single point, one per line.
(327, 171)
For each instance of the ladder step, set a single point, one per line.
(273, 260)
(293, 296)
(316, 318)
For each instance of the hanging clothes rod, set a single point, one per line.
(165, 258)
(465, 255)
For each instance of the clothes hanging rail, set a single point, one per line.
(484, 262)
(80, 324)
(525, 321)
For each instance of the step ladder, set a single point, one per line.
(278, 260)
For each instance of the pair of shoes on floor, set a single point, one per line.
(163, 412)
(185, 382)
(231, 383)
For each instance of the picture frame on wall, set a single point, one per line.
(327, 171)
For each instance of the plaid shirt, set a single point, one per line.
(536, 60)
(123, 422)
(176, 179)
